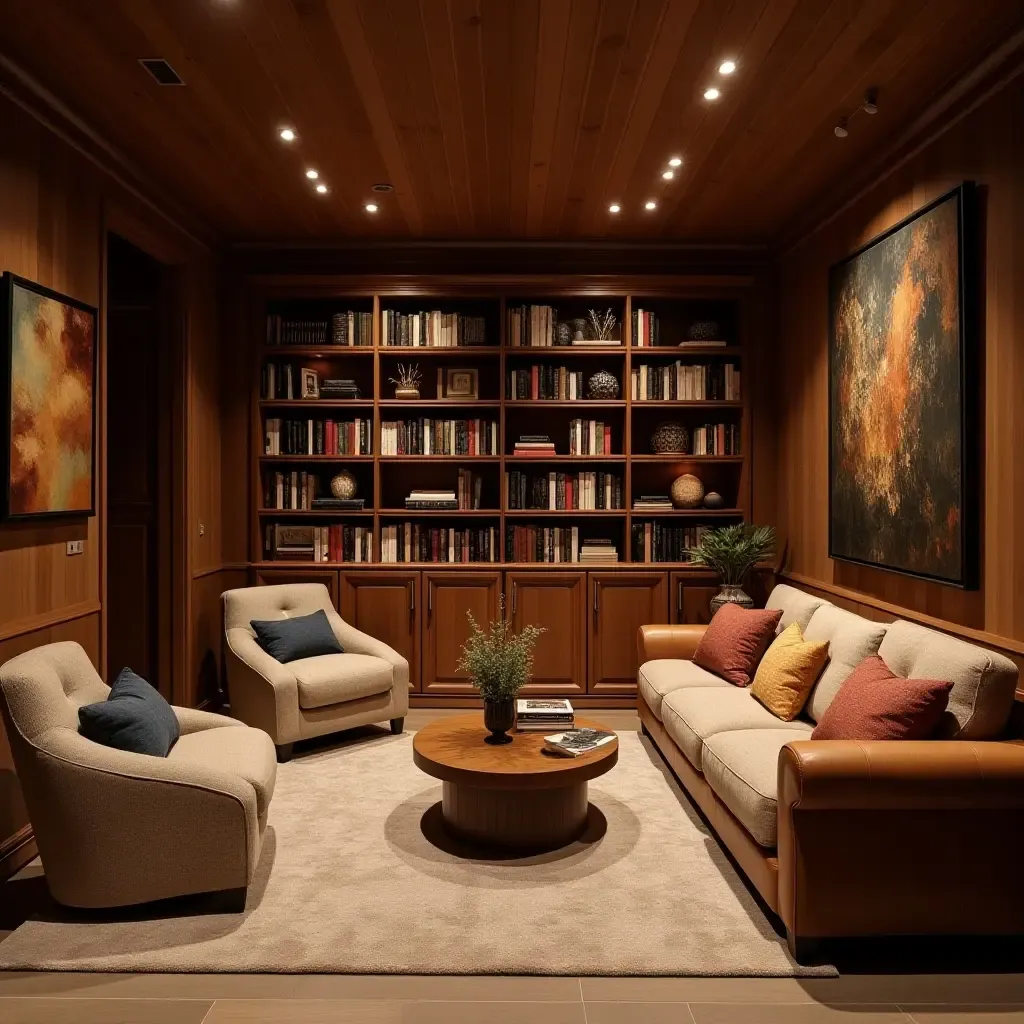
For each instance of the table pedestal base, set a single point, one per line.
(535, 819)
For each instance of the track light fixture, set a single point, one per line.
(869, 106)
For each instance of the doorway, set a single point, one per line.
(138, 478)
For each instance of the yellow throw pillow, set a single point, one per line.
(788, 672)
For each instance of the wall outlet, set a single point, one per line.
(76, 547)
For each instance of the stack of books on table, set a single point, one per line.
(340, 504)
(652, 503)
(599, 550)
(534, 445)
(577, 742)
(543, 714)
(425, 501)
(339, 388)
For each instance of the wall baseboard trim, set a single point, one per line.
(56, 617)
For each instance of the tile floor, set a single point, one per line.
(864, 998)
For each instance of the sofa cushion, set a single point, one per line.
(743, 768)
(134, 717)
(658, 678)
(851, 639)
(734, 641)
(246, 753)
(788, 670)
(795, 605)
(291, 639)
(335, 678)
(692, 716)
(983, 682)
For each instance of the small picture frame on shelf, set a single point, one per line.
(461, 384)
(310, 383)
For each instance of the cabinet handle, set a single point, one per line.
(679, 600)
(430, 601)
(515, 593)
(412, 597)
(597, 591)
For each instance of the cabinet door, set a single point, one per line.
(447, 596)
(386, 605)
(274, 577)
(620, 603)
(691, 595)
(558, 602)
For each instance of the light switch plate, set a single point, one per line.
(76, 547)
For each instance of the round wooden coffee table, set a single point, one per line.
(511, 796)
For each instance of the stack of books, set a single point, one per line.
(596, 342)
(543, 715)
(341, 504)
(339, 388)
(534, 444)
(703, 343)
(426, 500)
(652, 503)
(599, 549)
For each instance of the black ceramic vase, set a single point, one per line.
(499, 717)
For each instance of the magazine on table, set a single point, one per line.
(576, 742)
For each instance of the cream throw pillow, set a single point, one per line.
(788, 672)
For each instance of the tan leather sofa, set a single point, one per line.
(369, 683)
(842, 838)
(115, 828)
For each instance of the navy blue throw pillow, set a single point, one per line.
(305, 636)
(134, 717)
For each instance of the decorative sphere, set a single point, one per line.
(713, 500)
(687, 491)
(702, 330)
(344, 485)
(670, 438)
(603, 385)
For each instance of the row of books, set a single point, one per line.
(350, 328)
(657, 542)
(715, 439)
(542, 544)
(294, 490)
(335, 543)
(431, 329)
(317, 437)
(590, 437)
(426, 436)
(588, 489)
(557, 383)
(536, 326)
(686, 382)
(416, 542)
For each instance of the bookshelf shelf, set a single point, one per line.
(433, 513)
(318, 513)
(640, 352)
(526, 460)
(316, 403)
(456, 351)
(551, 403)
(318, 351)
(475, 459)
(315, 458)
(447, 403)
(683, 403)
(677, 458)
(565, 351)
(544, 513)
(687, 513)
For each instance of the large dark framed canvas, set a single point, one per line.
(903, 426)
(49, 390)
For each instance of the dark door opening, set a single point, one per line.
(139, 384)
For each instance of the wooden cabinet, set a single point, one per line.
(557, 601)
(619, 603)
(273, 577)
(691, 595)
(447, 596)
(386, 606)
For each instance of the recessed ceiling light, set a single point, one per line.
(650, 205)
(614, 208)
(382, 187)
(312, 175)
(668, 175)
(727, 67)
(675, 161)
(370, 207)
(287, 134)
(321, 188)
(711, 94)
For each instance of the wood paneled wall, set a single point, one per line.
(986, 146)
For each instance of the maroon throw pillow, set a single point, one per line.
(735, 641)
(875, 704)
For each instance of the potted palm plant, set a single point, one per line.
(732, 551)
(499, 662)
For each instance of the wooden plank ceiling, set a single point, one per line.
(499, 118)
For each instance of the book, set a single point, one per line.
(704, 343)
(345, 503)
(540, 706)
(577, 742)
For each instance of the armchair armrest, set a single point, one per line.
(662, 641)
(190, 720)
(263, 693)
(356, 642)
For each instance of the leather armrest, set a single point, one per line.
(662, 641)
(900, 775)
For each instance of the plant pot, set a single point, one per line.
(499, 717)
(731, 594)
(407, 394)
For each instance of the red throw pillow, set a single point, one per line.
(875, 704)
(735, 641)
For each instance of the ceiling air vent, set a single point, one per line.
(161, 71)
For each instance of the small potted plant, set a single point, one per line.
(407, 383)
(732, 551)
(499, 662)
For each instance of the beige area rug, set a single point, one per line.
(349, 883)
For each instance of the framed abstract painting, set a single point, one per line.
(902, 410)
(49, 387)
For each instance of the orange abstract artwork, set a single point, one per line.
(52, 370)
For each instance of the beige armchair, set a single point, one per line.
(116, 828)
(313, 696)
